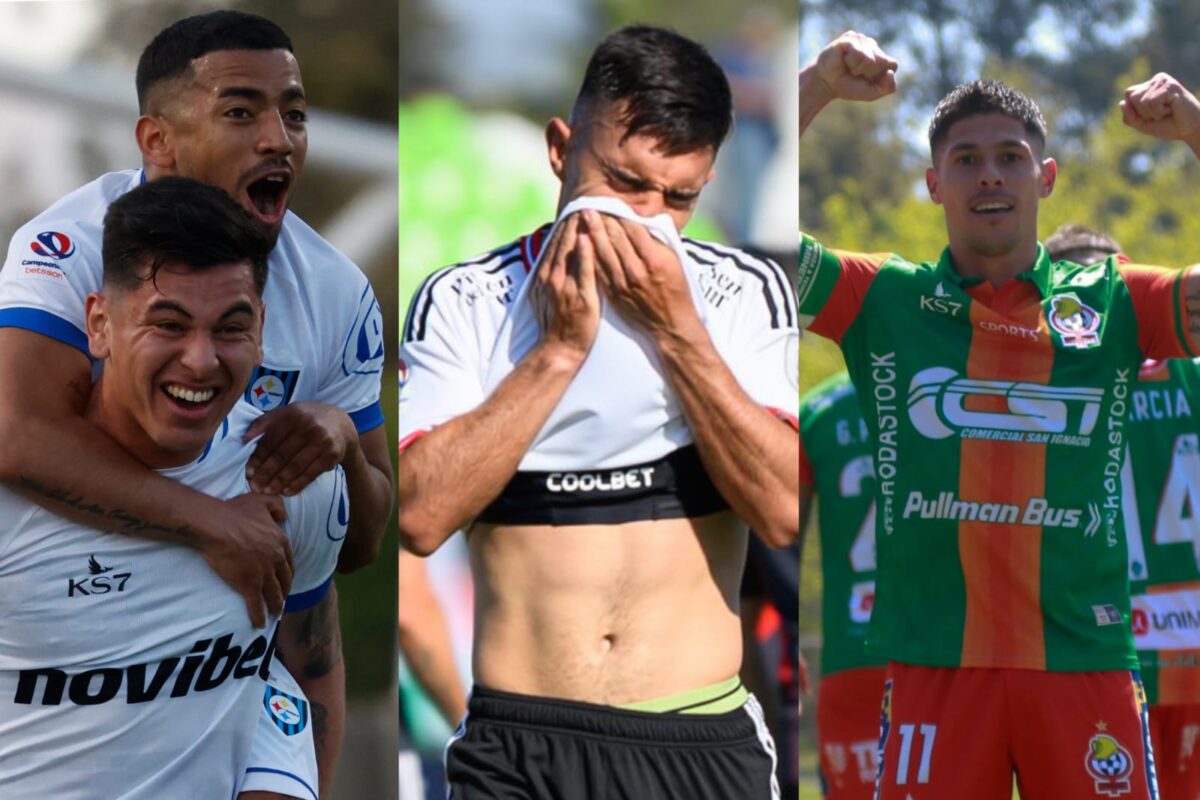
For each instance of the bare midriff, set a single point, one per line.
(608, 614)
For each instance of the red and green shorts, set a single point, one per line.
(848, 732)
(950, 733)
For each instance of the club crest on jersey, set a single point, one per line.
(363, 352)
(271, 388)
(289, 713)
(1075, 321)
(52, 244)
(1109, 764)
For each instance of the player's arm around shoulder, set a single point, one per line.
(460, 445)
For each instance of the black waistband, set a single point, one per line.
(671, 487)
(489, 705)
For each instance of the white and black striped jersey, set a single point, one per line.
(470, 323)
(323, 340)
(128, 669)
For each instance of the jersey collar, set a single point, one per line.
(531, 246)
(1039, 273)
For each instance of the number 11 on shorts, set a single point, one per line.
(907, 734)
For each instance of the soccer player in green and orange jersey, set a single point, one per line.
(835, 460)
(1161, 504)
(995, 385)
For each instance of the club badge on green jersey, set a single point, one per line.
(1075, 321)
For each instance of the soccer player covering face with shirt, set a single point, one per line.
(127, 668)
(609, 411)
(996, 384)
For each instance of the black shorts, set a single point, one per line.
(517, 747)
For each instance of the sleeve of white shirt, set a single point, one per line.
(440, 373)
(761, 343)
(355, 326)
(51, 267)
(316, 526)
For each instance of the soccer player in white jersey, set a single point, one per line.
(221, 102)
(127, 668)
(605, 455)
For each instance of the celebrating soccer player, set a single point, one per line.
(995, 385)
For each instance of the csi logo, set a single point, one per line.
(99, 580)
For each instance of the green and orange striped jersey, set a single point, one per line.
(997, 417)
(1161, 479)
(836, 460)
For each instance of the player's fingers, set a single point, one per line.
(254, 606)
(632, 267)
(587, 265)
(277, 510)
(275, 470)
(302, 471)
(608, 264)
(260, 425)
(274, 595)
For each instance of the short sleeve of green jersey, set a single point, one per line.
(819, 271)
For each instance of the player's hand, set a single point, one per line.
(641, 276)
(854, 67)
(1162, 107)
(565, 293)
(299, 442)
(250, 552)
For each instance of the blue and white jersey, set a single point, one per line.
(323, 340)
(471, 323)
(128, 669)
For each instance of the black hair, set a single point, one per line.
(179, 221)
(669, 88)
(171, 52)
(985, 97)
(1080, 244)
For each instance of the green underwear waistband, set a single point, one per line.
(716, 698)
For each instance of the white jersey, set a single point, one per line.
(128, 668)
(323, 340)
(470, 323)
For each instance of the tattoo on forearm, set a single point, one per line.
(125, 520)
(320, 724)
(316, 639)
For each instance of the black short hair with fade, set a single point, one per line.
(179, 221)
(670, 87)
(171, 52)
(985, 97)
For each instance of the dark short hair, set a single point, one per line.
(171, 52)
(179, 221)
(669, 86)
(984, 97)
(1080, 244)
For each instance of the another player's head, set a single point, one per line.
(989, 170)
(1082, 245)
(221, 101)
(178, 321)
(651, 113)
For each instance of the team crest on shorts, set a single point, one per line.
(1110, 765)
(1075, 321)
(290, 714)
(271, 388)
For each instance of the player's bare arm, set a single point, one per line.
(310, 645)
(751, 455)
(61, 461)
(302, 440)
(1163, 108)
(425, 640)
(448, 476)
(851, 67)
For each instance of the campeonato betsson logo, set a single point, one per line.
(941, 404)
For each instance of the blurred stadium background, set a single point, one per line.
(862, 165)
(478, 83)
(67, 109)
